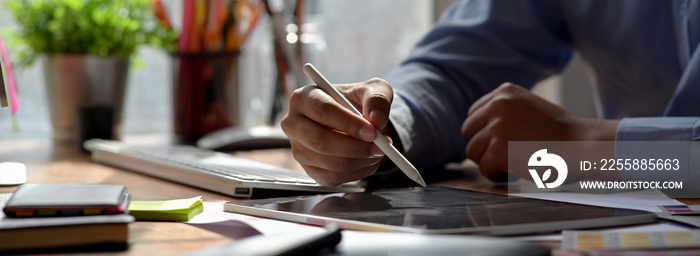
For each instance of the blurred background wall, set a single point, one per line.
(355, 40)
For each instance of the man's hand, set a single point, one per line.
(512, 113)
(332, 144)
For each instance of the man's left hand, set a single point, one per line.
(512, 113)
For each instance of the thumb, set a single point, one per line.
(376, 102)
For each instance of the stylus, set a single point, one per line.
(382, 142)
(312, 245)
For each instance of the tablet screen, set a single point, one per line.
(439, 210)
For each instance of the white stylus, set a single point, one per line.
(382, 142)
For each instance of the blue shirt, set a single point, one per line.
(640, 55)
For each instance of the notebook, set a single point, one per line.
(47, 200)
(81, 233)
(206, 169)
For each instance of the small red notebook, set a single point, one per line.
(51, 200)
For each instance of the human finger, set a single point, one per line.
(494, 163)
(333, 163)
(327, 141)
(376, 102)
(330, 178)
(313, 103)
(477, 145)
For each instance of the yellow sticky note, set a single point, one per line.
(168, 210)
(680, 239)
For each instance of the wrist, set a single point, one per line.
(595, 129)
(604, 129)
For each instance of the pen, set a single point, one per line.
(382, 142)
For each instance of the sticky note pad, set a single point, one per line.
(168, 210)
(610, 240)
(680, 209)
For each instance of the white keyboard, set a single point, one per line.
(206, 169)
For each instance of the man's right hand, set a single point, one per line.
(332, 144)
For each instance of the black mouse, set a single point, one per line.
(245, 138)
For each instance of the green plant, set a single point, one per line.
(97, 27)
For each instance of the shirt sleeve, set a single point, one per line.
(660, 138)
(659, 129)
(475, 47)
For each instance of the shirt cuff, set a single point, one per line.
(658, 129)
(660, 137)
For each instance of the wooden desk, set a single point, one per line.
(52, 163)
(65, 164)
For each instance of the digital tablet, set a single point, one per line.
(439, 210)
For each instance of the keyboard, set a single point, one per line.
(206, 169)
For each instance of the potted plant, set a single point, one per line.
(88, 45)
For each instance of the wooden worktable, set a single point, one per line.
(64, 163)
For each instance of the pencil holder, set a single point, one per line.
(206, 91)
(85, 95)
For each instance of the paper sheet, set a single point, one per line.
(645, 200)
(657, 227)
(214, 213)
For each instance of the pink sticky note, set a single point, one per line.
(5, 58)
